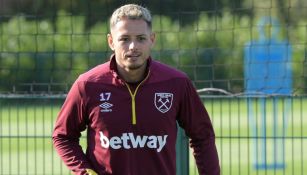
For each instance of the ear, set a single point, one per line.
(153, 39)
(110, 41)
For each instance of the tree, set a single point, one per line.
(100, 10)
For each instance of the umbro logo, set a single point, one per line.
(105, 106)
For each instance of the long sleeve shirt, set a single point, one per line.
(132, 131)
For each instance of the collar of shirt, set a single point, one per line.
(114, 70)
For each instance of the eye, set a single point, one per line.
(142, 38)
(124, 39)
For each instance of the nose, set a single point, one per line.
(132, 45)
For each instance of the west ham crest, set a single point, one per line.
(163, 101)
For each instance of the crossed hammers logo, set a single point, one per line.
(163, 101)
(163, 104)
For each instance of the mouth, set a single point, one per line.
(133, 56)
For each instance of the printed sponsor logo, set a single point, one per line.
(163, 101)
(106, 107)
(130, 141)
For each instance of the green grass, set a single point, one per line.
(235, 144)
(26, 127)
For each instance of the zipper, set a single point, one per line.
(133, 110)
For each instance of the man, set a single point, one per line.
(129, 106)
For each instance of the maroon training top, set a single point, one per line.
(132, 131)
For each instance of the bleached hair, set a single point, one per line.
(131, 11)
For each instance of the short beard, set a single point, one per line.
(135, 67)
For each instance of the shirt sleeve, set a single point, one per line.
(67, 131)
(194, 119)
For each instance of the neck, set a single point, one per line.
(132, 76)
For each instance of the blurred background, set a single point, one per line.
(46, 44)
(247, 59)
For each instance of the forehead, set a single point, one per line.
(127, 26)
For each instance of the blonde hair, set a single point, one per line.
(131, 11)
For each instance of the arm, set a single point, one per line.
(68, 127)
(194, 119)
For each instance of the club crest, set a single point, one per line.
(163, 101)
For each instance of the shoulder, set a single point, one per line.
(162, 71)
(97, 74)
(163, 75)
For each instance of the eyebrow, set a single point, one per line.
(130, 35)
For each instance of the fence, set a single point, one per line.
(44, 51)
(26, 124)
(255, 49)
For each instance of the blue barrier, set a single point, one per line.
(267, 71)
